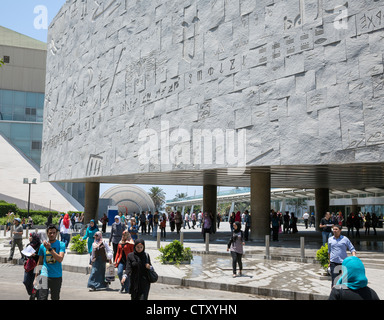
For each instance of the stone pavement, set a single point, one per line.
(284, 275)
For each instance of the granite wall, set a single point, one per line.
(133, 86)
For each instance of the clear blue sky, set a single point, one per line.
(20, 16)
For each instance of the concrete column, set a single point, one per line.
(232, 208)
(260, 204)
(91, 205)
(322, 205)
(210, 202)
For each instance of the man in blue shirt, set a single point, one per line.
(337, 251)
(51, 255)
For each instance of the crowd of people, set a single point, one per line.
(125, 251)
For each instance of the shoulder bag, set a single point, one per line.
(152, 274)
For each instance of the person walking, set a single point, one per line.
(138, 264)
(30, 264)
(375, 222)
(231, 220)
(200, 218)
(143, 223)
(235, 246)
(65, 229)
(337, 251)
(353, 284)
(133, 229)
(286, 222)
(186, 221)
(207, 223)
(350, 223)
(306, 218)
(51, 255)
(193, 218)
(124, 248)
(116, 234)
(326, 226)
(163, 223)
(150, 222)
(156, 219)
(178, 221)
(172, 221)
(367, 223)
(104, 221)
(17, 238)
(238, 216)
(275, 224)
(247, 221)
(49, 220)
(101, 254)
(90, 234)
(293, 223)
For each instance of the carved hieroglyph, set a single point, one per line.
(131, 85)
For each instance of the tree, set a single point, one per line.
(1, 62)
(179, 196)
(158, 197)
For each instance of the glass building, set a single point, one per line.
(21, 120)
(22, 95)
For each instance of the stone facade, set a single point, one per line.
(132, 85)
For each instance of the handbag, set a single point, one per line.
(152, 274)
(29, 265)
(109, 272)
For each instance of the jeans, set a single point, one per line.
(155, 226)
(120, 272)
(29, 277)
(335, 271)
(19, 244)
(236, 259)
(54, 284)
(325, 235)
(65, 238)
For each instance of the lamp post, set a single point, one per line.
(26, 181)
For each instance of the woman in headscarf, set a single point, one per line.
(65, 225)
(235, 245)
(138, 262)
(90, 233)
(238, 216)
(124, 248)
(29, 276)
(101, 254)
(116, 234)
(353, 284)
(232, 220)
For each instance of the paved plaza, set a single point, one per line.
(284, 275)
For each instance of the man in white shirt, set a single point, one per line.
(306, 217)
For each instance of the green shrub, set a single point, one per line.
(322, 256)
(5, 207)
(175, 253)
(78, 244)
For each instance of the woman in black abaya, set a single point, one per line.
(138, 264)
